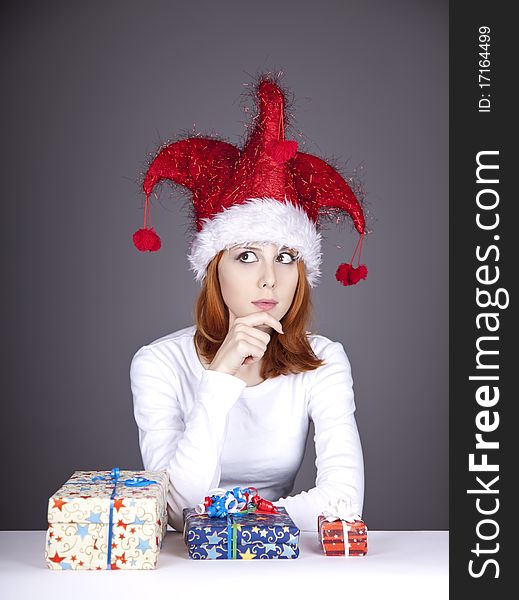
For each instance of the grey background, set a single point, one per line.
(90, 91)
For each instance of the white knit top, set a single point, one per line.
(209, 430)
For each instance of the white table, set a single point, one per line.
(399, 565)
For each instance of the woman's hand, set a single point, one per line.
(244, 344)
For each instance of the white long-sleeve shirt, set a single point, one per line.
(207, 429)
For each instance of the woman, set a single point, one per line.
(228, 401)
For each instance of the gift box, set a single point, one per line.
(240, 536)
(343, 538)
(107, 520)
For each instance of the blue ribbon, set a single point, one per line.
(229, 538)
(138, 482)
(115, 476)
(232, 537)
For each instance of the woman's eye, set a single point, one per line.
(247, 257)
(286, 258)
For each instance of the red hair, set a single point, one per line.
(288, 353)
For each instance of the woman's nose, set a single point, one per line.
(268, 275)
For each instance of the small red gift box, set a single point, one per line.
(343, 538)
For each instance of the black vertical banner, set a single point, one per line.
(484, 243)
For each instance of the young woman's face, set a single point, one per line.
(256, 272)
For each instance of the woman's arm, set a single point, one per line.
(189, 445)
(340, 468)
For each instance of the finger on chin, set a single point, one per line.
(264, 328)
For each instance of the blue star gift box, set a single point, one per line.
(240, 536)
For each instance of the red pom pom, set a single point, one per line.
(281, 151)
(349, 275)
(146, 240)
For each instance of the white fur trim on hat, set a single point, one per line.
(260, 220)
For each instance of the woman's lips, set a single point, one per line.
(265, 305)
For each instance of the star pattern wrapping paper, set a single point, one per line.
(343, 538)
(79, 522)
(255, 535)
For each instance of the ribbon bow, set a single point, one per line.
(137, 481)
(343, 509)
(222, 503)
(113, 476)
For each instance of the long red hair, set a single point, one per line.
(288, 353)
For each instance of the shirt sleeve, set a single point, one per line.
(188, 446)
(339, 461)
